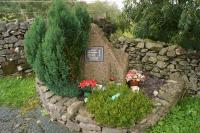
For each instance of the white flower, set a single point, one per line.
(135, 88)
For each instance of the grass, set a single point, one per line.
(17, 92)
(183, 118)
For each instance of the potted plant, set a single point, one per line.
(86, 87)
(134, 77)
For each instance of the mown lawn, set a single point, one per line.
(183, 118)
(16, 92)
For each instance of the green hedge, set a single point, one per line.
(124, 111)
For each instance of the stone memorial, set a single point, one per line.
(101, 61)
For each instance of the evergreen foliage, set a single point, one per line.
(176, 21)
(57, 59)
(33, 39)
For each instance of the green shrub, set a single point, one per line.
(183, 118)
(166, 20)
(124, 111)
(57, 53)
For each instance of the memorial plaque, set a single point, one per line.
(95, 54)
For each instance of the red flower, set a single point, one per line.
(85, 83)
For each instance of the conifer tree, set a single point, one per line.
(57, 54)
(33, 39)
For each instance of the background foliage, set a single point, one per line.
(124, 111)
(55, 52)
(176, 21)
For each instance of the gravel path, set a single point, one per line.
(12, 121)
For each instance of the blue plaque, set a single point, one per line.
(94, 54)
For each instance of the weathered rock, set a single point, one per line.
(2, 59)
(161, 64)
(5, 51)
(73, 126)
(12, 26)
(180, 51)
(145, 59)
(140, 45)
(48, 94)
(2, 26)
(153, 59)
(55, 99)
(151, 54)
(162, 58)
(183, 63)
(84, 119)
(113, 130)
(19, 43)
(153, 46)
(23, 25)
(65, 117)
(163, 51)
(11, 39)
(171, 54)
(89, 127)
(70, 101)
(86, 131)
(73, 109)
(5, 34)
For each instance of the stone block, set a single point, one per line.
(153, 46)
(2, 26)
(48, 94)
(84, 119)
(2, 59)
(163, 51)
(73, 109)
(55, 99)
(2, 42)
(11, 39)
(12, 26)
(161, 64)
(140, 45)
(70, 101)
(113, 130)
(73, 126)
(24, 25)
(89, 127)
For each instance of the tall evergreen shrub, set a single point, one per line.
(59, 55)
(33, 39)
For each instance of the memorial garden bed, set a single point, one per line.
(72, 112)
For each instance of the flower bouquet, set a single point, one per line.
(134, 77)
(86, 87)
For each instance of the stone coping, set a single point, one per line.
(72, 113)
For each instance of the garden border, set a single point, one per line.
(72, 113)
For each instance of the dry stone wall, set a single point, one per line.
(163, 60)
(12, 58)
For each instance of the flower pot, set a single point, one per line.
(133, 83)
